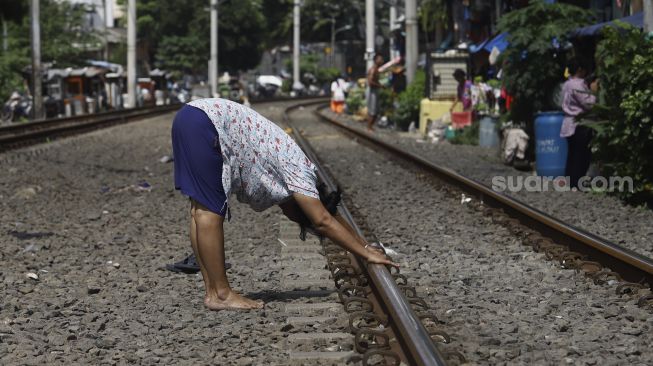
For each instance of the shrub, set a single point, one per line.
(467, 136)
(325, 75)
(386, 99)
(624, 134)
(533, 63)
(408, 102)
(286, 86)
(308, 64)
(355, 100)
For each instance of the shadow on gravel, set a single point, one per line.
(282, 296)
(24, 235)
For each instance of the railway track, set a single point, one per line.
(572, 247)
(388, 322)
(18, 135)
(391, 324)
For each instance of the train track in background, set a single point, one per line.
(575, 248)
(19, 135)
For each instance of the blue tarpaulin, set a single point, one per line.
(477, 47)
(499, 42)
(636, 20)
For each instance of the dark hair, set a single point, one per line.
(330, 200)
(590, 78)
(459, 73)
(575, 63)
(377, 55)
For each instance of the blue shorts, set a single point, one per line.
(197, 159)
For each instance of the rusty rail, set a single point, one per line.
(627, 264)
(414, 343)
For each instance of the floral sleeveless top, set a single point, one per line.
(262, 165)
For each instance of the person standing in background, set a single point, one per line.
(338, 89)
(463, 94)
(577, 98)
(373, 87)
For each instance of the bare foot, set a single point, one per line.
(233, 301)
(370, 129)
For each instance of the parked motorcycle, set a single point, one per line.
(16, 107)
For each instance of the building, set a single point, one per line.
(105, 17)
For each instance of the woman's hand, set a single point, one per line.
(374, 256)
(594, 86)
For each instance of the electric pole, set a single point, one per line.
(131, 53)
(393, 22)
(411, 39)
(648, 16)
(213, 65)
(37, 75)
(333, 42)
(369, 33)
(296, 85)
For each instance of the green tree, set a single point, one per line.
(433, 18)
(13, 10)
(533, 63)
(242, 34)
(278, 14)
(166, 27)
(65, 41)
(317, 15)
(182, 53)
(624, 140)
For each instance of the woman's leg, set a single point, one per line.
(209, 237)
(193, 242)
(579, 154)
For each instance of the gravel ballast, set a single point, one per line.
(600, 214)
(86, 225)
(501, 302)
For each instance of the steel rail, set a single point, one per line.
(632, 266)
(415, 341)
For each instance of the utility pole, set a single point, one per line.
(333, 42)
(411, 39)
(296, 84)
(369, 33)
(213, 65)
(393, 22)
(37, 75)
(105, 25)
(131, 53)
(648, 16)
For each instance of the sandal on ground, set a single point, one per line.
(188, 265)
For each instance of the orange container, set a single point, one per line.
(461, 119)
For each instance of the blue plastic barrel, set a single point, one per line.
(550, 148)
(488, 135)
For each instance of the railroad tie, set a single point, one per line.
(315, 328)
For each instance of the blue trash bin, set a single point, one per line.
(550, 148)
(488, 135)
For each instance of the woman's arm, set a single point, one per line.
(330, 227)
(455, 103)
